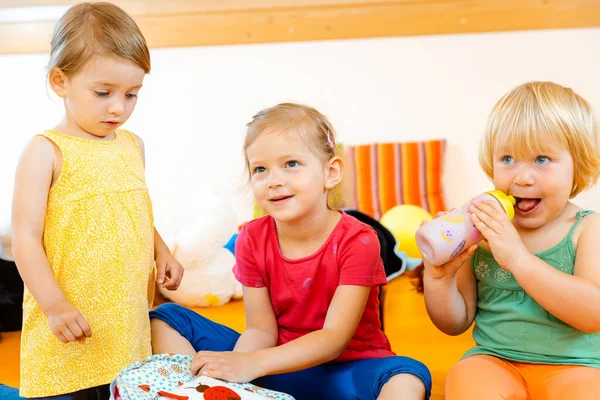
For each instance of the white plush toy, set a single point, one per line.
(208, 279)
(5, 237)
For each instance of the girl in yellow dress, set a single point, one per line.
(83, 232)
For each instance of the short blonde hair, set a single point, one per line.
(304, 121)
(90, 29)
(536, 115)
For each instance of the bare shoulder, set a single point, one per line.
(564, 224)
(139, 142)
(586, 240)
(40, 150)
(138, 139)
(41, 143)
(38, 167)
(590, 225)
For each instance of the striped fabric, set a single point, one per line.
(381, 176)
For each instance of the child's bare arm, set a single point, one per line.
(574, 299)
(32, 184)
(170, 271)
(261, 326)
(451, 298)
(450, 292)
(318, 347)
(344, 314)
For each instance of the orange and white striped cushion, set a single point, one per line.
(383, 175)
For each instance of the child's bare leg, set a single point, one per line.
(167, 340)
(403, 387)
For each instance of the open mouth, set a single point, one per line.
(526, 205)
(280, 199)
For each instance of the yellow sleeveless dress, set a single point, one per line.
(99, 240)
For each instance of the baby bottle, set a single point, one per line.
(447, 236)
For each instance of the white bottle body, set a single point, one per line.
(445, 237)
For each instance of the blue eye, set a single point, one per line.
(101, 93)
(542, 160)
(507, 160)
(258, 170)
(291, 164)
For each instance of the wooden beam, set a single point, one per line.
(177, 23)
(142, 7)
(184, 6)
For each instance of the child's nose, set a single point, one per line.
(275, 179)
(116, 107)
(524, 176)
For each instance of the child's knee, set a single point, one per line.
(458, 372)
(407, 376)
(405, 386)
(158, 326)
(460, 382)
(165, 322)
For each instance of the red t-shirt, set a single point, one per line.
(302, 289)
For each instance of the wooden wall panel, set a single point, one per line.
(175, 23)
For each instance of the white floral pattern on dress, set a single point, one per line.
(502, 275)
(482, 270)
(566, 265)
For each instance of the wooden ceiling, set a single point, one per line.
(26, 25)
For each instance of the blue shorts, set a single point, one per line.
(360, 379)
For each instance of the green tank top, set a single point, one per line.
(510, 324)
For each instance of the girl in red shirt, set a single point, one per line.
(311, 276)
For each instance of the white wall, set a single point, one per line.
(192, 110)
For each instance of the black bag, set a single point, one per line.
(393, 264)
(11, 297)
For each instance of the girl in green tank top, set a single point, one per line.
(532, 286)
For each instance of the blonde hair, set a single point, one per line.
(536, 115)
(301, 120)
(91, 29)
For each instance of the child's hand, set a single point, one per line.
(227, 365)
(67, 323)
(170, 271)
(504, 240)
(449, 269)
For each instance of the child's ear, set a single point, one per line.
(58, 81)
(334, 171)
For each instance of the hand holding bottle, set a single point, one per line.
(450, 234)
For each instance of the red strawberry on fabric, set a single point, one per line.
(220, 393)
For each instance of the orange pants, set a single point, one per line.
(483, 377)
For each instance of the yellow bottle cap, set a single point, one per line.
(506, 201)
